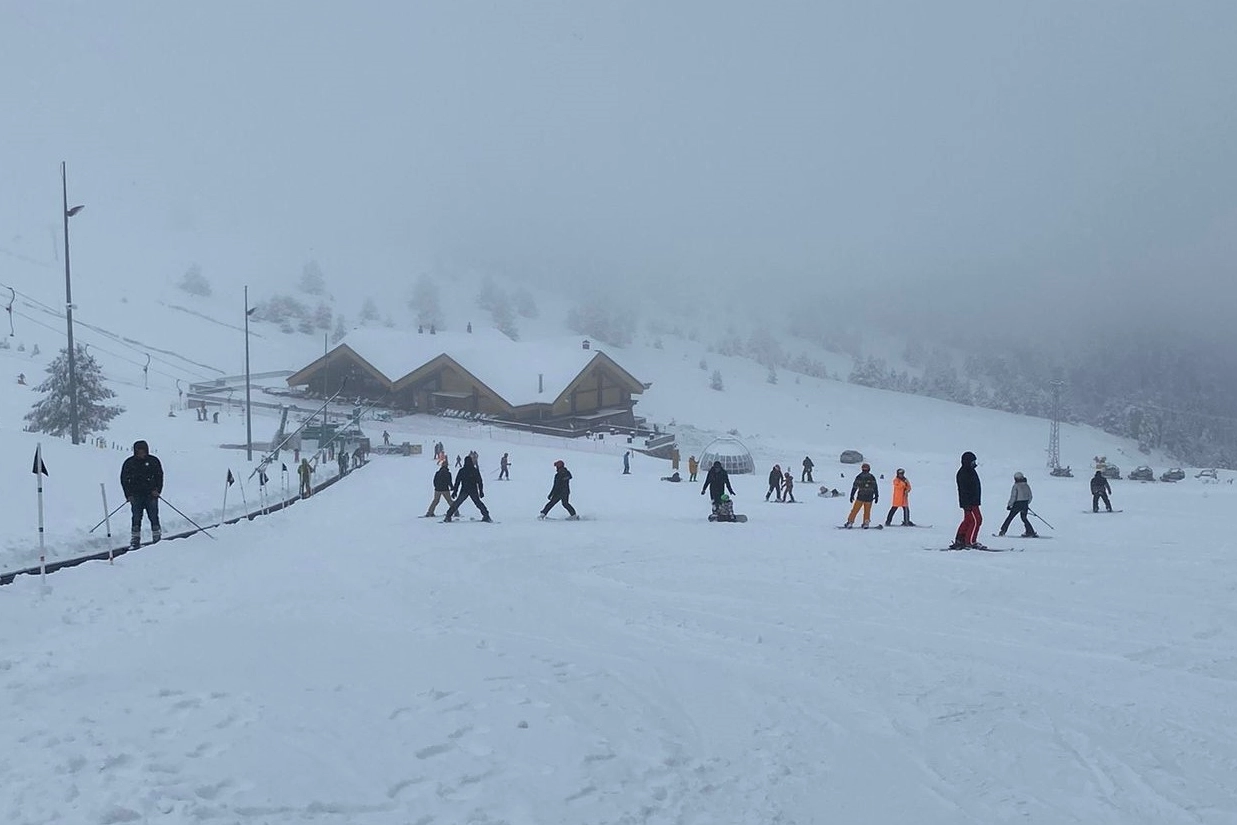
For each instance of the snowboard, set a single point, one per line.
(852, 527)
(981, 549)
(739, 518)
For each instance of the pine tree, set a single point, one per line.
(716, 381)
(369, 311)
(194, 282)
(504, 320)
(424, 302)
(51, 414)
(341, 330)
(313, 282)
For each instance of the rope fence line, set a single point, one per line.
(104, 555)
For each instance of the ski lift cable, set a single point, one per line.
(60, 314)
(9, 309)
(61, 332)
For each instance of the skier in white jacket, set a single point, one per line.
(1019, 503)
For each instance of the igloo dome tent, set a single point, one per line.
(731, 453)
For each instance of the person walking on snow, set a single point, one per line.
(807, 470)
(1019, 503)
(442, 488)
(386, 439)
(504, 474)
(693, 467)
(969, 495)
(717, 481)
(863, 493)
(305, 472)
(343, 462)
(788, 487)
(627, 463)
(468, 485)
(674, 458)
(901, 498)
(775, 483)
(560, 492)
(141, 480)
(1100, 488)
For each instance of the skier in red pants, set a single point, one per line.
(968, 499)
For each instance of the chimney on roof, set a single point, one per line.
(540, 382)
(586, 344)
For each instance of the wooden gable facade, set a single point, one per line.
(443, 384)
(326, 375)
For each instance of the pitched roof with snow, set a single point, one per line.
(507, 367)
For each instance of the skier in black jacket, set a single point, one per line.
(717, 482)
(141, 479)
(775, 483)
(468, 485)
(863, 494)
(442, 488)
(969, 494)
(1100, 488)
(560, 492)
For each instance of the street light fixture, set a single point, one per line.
(68, 303)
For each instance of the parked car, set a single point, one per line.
(1175, 474)
(1208, 473)
(1143, 473)
(1111, 471)
(851, 457)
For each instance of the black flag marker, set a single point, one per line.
(231, 480)
(39, 466)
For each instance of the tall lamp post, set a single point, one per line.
(248, 408)
(68, 304)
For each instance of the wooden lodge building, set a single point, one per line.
(562, 383)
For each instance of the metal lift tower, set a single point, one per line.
(1054, 434)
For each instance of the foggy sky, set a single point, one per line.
(905, 158)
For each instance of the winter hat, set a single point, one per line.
(866, 467)
(968, 458)
(140, 445)
(1019, 477)
(559, 464)
(901, 471)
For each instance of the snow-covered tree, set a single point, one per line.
(424, 302)
(312, 282)
(504, 320)
(322, 316)
(715, 382)
(341, 330)
(490, 295)
(369, 311)
(598, 317)
(194, 282)
(524, 302)
(772, 376)
(51, 414)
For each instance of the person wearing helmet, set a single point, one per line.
(901, 498)
(717, 482)
(863, 494)
(969, 495)
(1019, 503)
(560, 492)
(723, 509)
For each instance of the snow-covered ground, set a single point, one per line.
(346, 661)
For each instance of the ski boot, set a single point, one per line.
(865, 525)
(573, 517)
(957, 545)
(976, 546)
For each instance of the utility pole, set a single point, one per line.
(68, 303)
(248, 406)
(1054, 434)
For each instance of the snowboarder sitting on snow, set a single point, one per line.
(675, 477)
(442, 487)
(717, 481)
(825, 492)
(1019, 503)
(141, 479)
(468, 485)
(560, 492)
(969, 495)
(775, 483)
(807, 470)
(863, 494)
(901, 498)
(723, 509)
(1100, 488)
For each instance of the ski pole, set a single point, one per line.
(201, 529)
(109, 515)
(1041, 518)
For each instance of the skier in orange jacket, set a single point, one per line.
(901, 498)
